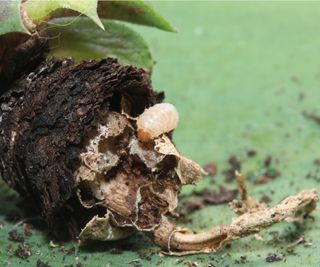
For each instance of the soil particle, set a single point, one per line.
(242, 260)
(272, 257)
(206, 197)
(296, 80)
(218, 197)
(210, 168)
(275, 237)
(301, 96)
(312, 116)
(71, 251)
(267, 161)
(251, 153)
(193, 204)
(15, 237)
(265, 199)
(27, 229)
(23, 251)
(268, 172)
(316, 162)
(234, 165)
(9, 248)
(42, 264)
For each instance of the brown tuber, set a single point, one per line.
(69, 142)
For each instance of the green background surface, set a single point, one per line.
(240, 75)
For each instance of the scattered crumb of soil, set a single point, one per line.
(15, 237)
(234, 165)
(251, 153)
(242, 260)
(210, 168)
(218, 197)
(27, 229)
(316, 162)
(295, 80)
(42, 264)
(71, 251)
(301, 96)
(275, 237)
(23, 251)
(193, 204)
(272, 257)
(206, 197)
(267, 161)
(262, 179)
(268, 172)
(265, 199)
(144, 256)
(312, 116)
(9, 248)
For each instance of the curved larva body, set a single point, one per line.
(156, 120)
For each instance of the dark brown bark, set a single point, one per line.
(44, 119)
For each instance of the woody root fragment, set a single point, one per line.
(253, 217)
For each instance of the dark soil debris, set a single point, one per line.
(265, 199)
(27, 229)
(206, 197)
(218, 197)
(210, 168)
(23, 251)
(251, 153)
(193, 204)
(316, 162)
(42, 264)
(272, 257)
(268, 172)
(312, 116)
(234, 165)
(242, 260)
(15, 237)
(9, 248)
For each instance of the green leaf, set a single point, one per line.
(133, 11)
(10, 19)
(40, 10)
(82, 40)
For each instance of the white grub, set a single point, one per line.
(254, 217)
(156, 120)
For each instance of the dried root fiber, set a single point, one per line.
(69, 142)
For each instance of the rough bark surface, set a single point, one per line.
(44, 119)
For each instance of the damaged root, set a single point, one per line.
(179, 241)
